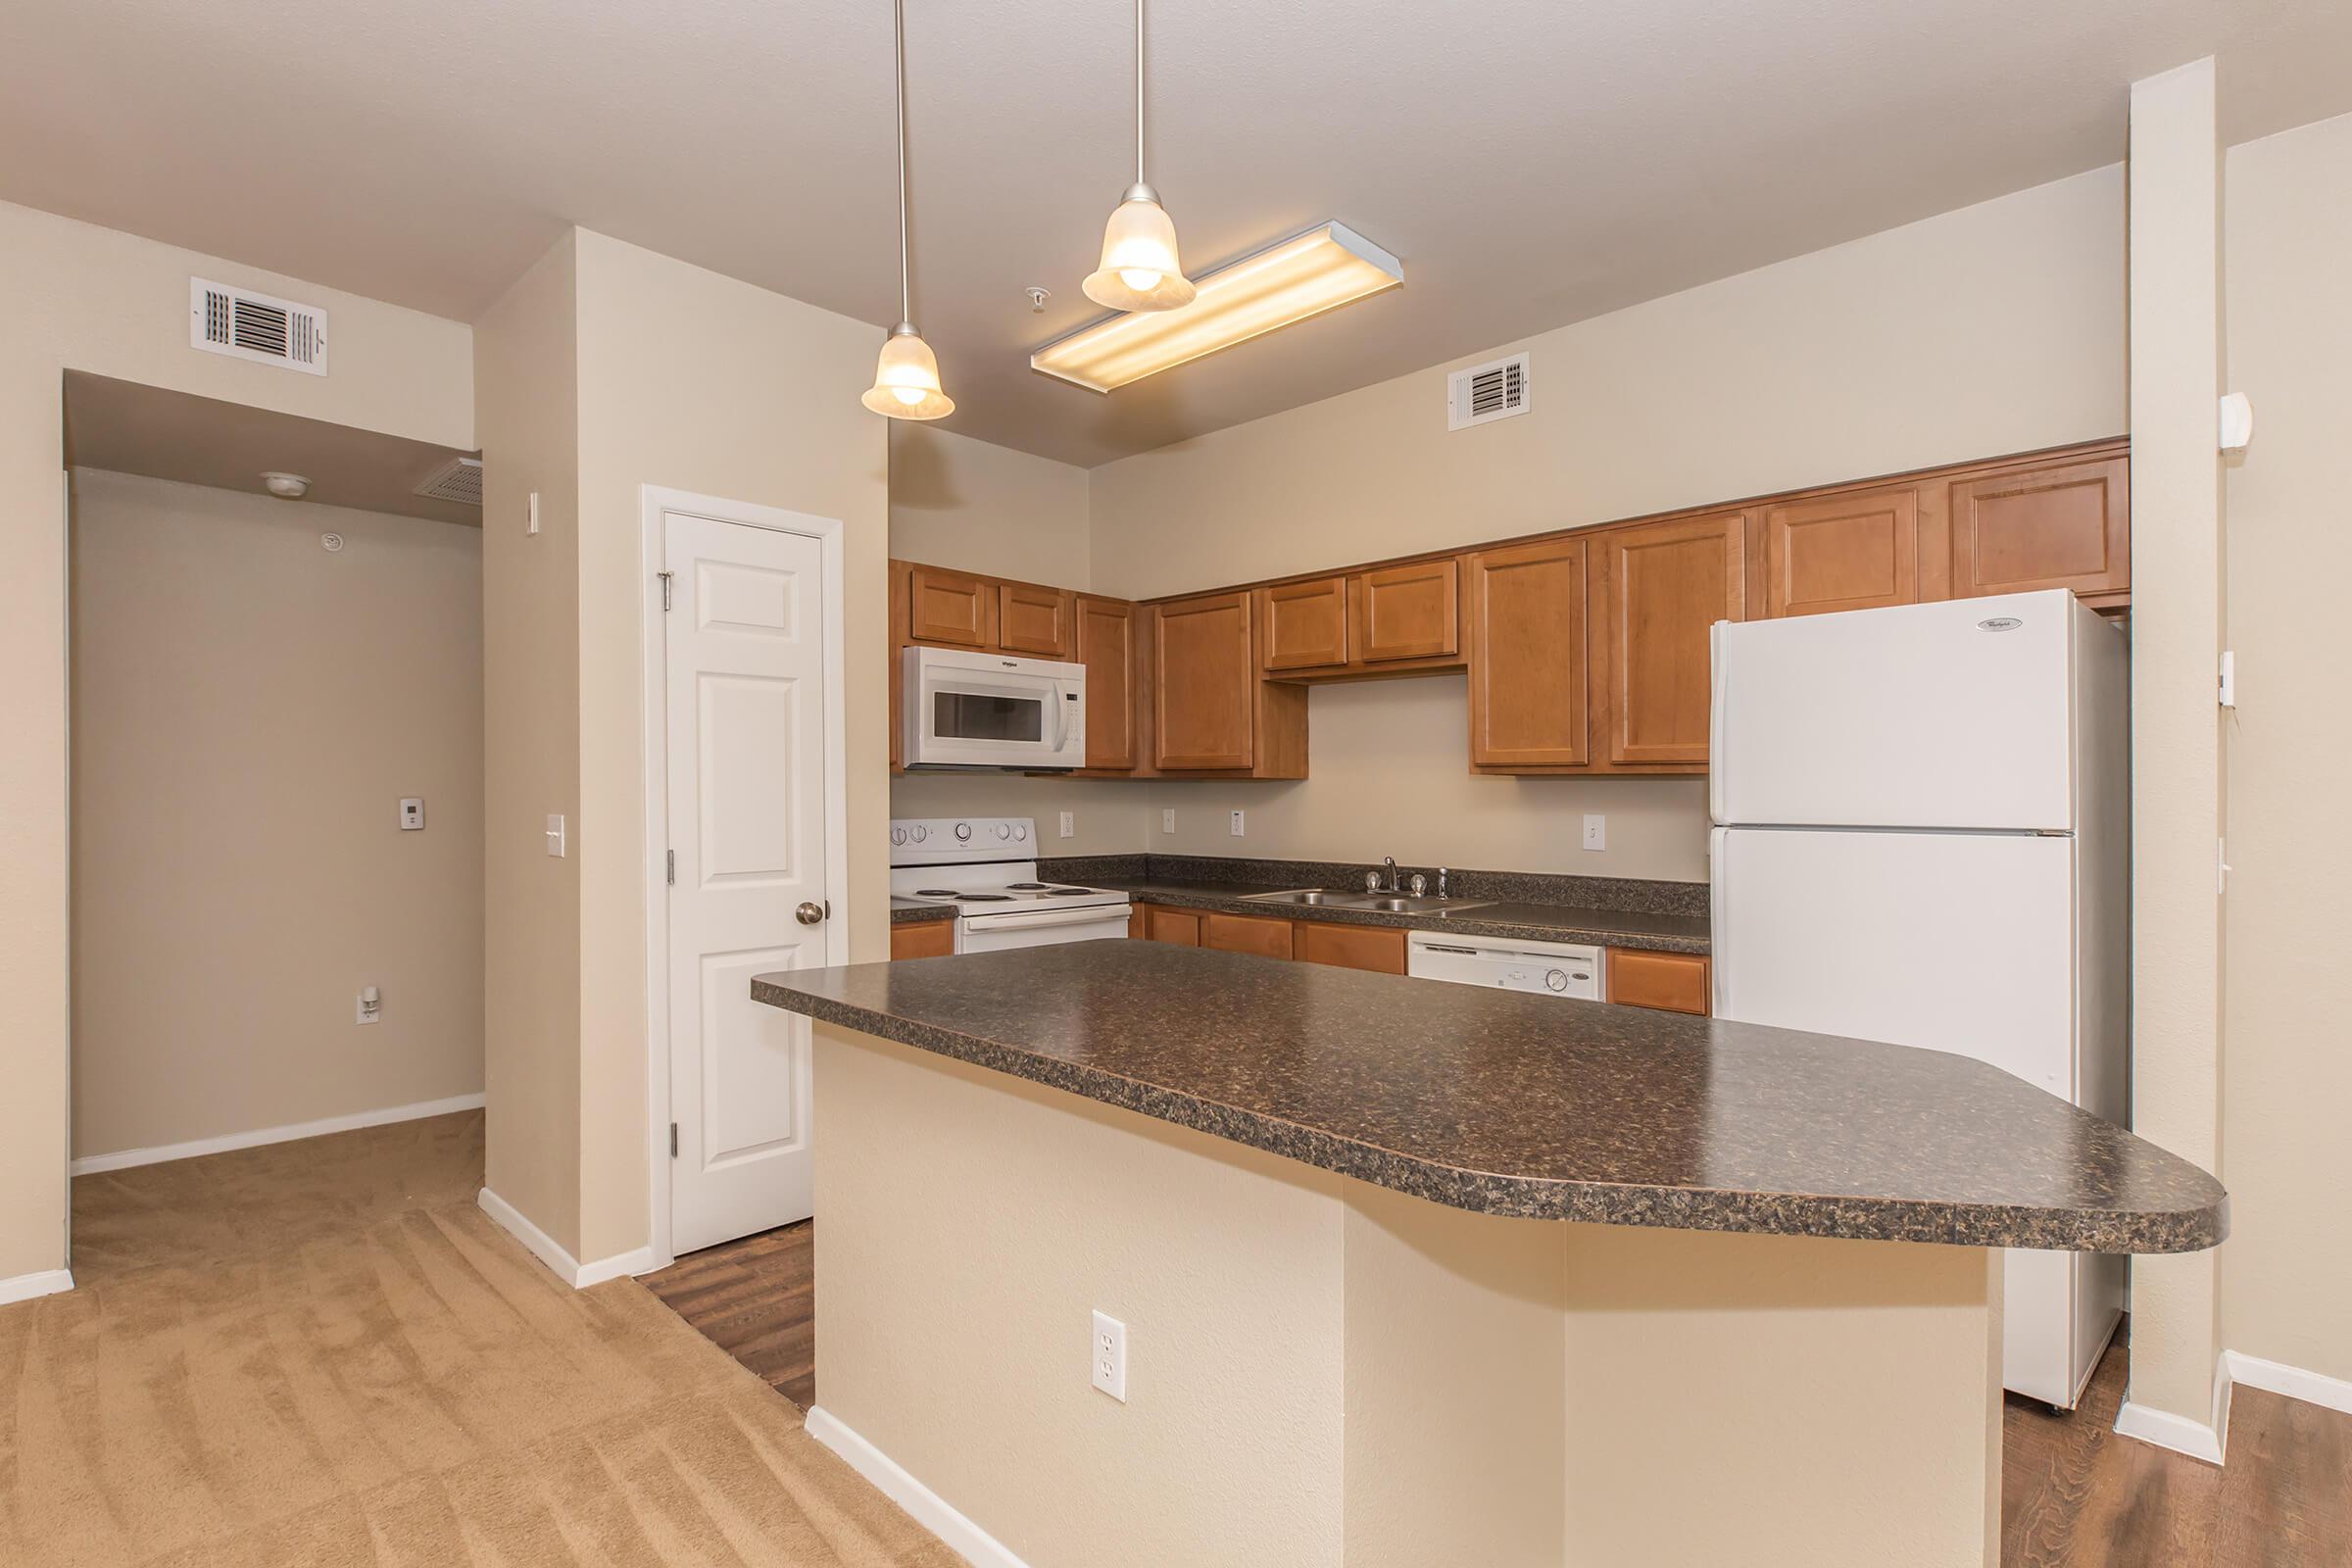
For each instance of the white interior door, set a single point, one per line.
(745, 746)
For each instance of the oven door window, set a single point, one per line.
(987, 716)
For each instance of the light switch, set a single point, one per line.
(1167, 820)
(1069, 825)
(531, 513)
(1597, 831)
(555, 834)
(411, 812)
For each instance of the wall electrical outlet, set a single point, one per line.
(1167, 820)
(1107, 1356)
(1069, 825)
(1597, 831)
(371, 1004)
(1237, 824)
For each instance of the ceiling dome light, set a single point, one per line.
(286, 486)
(906, 375)
(1139, 269)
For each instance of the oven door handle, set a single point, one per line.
(1039, 919)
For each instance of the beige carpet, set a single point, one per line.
(278, 1357)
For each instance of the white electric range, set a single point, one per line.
(985, 867)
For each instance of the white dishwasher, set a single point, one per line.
(1546, 968)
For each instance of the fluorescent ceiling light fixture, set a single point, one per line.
(1325, 268)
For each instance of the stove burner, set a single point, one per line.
(983, 898)
(1069, 893)
(1027, 887)
(937, 893)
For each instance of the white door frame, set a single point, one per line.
(655, 503)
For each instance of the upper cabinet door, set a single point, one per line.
(1854, 551)
(1203, 672)
(1106, 647)
(951, 607)
(1033, 619)
(1406, 611)
(1528, 656)
(2065, 525)
(1306, 623)
(1662, 586)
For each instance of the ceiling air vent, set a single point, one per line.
(246, 325)
(1485, 393)
(459, 479)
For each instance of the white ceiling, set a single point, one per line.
(1533, 161)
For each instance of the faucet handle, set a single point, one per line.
(1371, 881)
(1419, 884)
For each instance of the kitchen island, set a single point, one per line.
(1422, 1274)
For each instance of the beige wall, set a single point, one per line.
(248, 710)
(92, 299)
(957, 502)
(1993, 330)
(2286, 1271)
(2176, 738)
(528, 378)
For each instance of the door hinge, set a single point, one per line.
(665, 576)
(672, 857)
(673, 1139)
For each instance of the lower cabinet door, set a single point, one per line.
(922, 939)
(1676, 982)
(1246, 933)
(1350, 947)
(1179, 926)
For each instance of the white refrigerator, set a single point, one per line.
(1921, 836)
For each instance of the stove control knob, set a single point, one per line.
(1002, 831)
(1556, 979)
(1020, 830)
(898, 835)
(963, 832)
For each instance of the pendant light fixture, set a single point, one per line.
(906, 376)
(1140, 270)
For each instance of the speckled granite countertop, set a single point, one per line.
(1526, 923)
(903, 910)
(1505, 1104)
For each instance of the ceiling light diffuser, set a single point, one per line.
(1318, 271)
(907, 374)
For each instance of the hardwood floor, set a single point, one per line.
(756, 1299)
(2073, 1494)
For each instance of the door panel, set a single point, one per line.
(1378, 948)
(1164, 925)
(1528, 656)
(952, 608)
(1106, 647)
(743, 685)
(1266, 937)
(1406, 611)
(1855, 551)
(1204, 679)
(1676, 982)
(1918, 716)
(1662, 587)
(2064, 527)
(1306, 623)
(1033, 619)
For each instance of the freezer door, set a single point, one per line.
(1951, 714)
(1959, 942)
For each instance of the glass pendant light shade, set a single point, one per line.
(1140, 270)
(907, 379)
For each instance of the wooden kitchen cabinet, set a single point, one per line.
(1202, 670)
(1379, 949)
(1853, 550)
(1033, 619)
(922, 939)
(1267, 936)
(1408, 612)
(1528, 654)
(1306, 623)
(1676, 982)
(2062, 524)
(952, 608)
(1164, 925)
(1105, 646)
(1660, 588)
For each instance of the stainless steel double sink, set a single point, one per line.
(1386, 902)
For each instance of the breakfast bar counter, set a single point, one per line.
(1412, 1273)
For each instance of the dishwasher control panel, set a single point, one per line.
(1544, 968)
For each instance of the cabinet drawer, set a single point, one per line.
(1246, 933)
(1407, 612)
(951, 607)
(1674, 981)
(1160, 924)
(922, 939)
(1306, 623)
(1349, 946)
(1033, 619)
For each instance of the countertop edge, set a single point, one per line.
(918, 913)
(1841, 1217)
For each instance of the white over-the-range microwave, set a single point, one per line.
(987, 710)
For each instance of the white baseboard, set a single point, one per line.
(927, 1508)
(543, 1247)
(126, 1159)
(2276, 1377)
(24, 1286)
(2175, 1431)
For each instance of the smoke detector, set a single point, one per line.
(286, 486)
(459, 479)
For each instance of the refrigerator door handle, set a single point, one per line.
(1715, 753)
